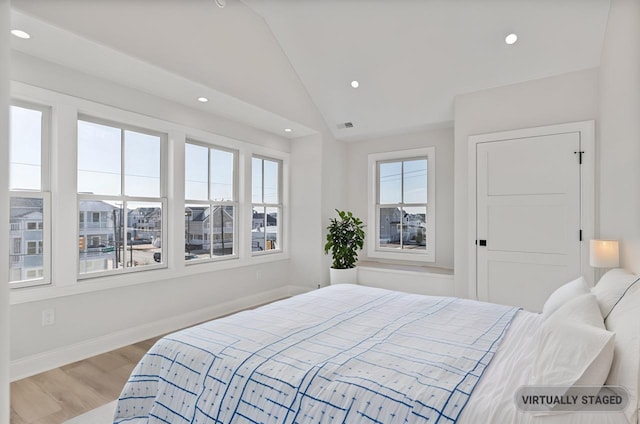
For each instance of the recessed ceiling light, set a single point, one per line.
(511, 39)
(355, 84)
(203, 99)
(20, 34)
(288, 130)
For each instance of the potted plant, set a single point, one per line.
(345, 236)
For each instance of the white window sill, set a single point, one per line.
(88, 285)
(405, 268)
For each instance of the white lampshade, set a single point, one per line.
(604, 253)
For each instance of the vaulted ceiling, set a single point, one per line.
(289, 63)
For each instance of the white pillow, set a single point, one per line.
(563, 294)
(573, 346)
(624, 320)
(611, 287)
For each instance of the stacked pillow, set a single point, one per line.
(592, 337)
(612, 287)
(564, 294)
(574, 347)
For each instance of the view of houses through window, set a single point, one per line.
(111, 239)
(120, 211)
(28, 213)
(210, 192)
(402, 204)
(266, 198)
(121, 199)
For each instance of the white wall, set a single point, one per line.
(4, 211)
(564, 98)
(357, 178)
(318, 188)
(306, 211)
(619, 131)
(334, 190)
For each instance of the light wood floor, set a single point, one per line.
(63, 393)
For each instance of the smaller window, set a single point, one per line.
(403, 208)
(32, 248)
(266, 183)
(211, 203)
(29, 219)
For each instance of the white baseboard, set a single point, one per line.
(45, 361)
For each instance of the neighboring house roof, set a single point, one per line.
(95, 206)
(199, 213)
(23, 206)
(272, 219)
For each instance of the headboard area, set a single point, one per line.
(618, 294)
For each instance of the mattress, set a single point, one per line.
(347, 354)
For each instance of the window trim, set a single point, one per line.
(127, 199)
(44, 193)
(279, 206)
(373, 248)
(212, 203)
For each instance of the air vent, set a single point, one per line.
(345, 125)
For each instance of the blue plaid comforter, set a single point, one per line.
(343, 354)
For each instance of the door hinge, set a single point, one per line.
(580, 235)
(481, 242)
(579, 153)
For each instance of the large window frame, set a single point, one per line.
(124, 200)
(62, 173)
(265, 206)
(212, 204)
(43, 245)
(374, 247)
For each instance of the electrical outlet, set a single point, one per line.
(48, 317)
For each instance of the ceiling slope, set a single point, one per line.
(295, 59)
(176, 49)
(412, 57)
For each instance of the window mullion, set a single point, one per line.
(262, 181)
(401, 205)
(209, 174)
(212, 224)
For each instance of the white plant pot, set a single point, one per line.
(344, 276)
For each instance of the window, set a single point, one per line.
(29, 196)
(120, 180)
(403, 205)
(210, 203)
(266, 195)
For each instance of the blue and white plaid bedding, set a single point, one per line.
(344, 354)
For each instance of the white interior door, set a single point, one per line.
(528, 218)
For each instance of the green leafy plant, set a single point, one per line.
(344, 238)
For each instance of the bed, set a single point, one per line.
(345, 354)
